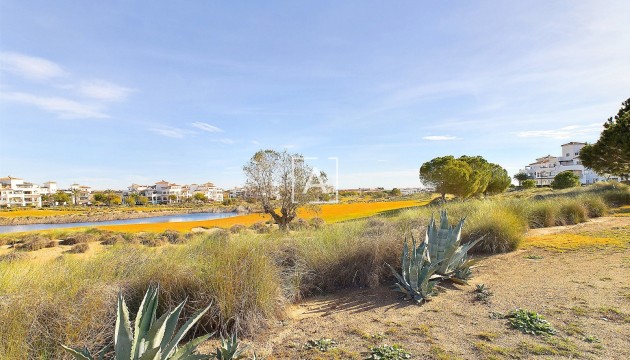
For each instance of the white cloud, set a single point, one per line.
(227, 141)
(30, 67)
(63, 108)
(565, 132)
(171, 132)
(440, 138)
(205, 127)
(255, 142)
(102, 90)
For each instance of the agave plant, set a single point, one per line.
(151, 339)
(230, 350)
(416, 280)
(445, 248)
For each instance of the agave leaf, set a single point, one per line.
(122, 335)
(405, 260)
(171, 324)
(155, 335)
(152, 354)
(187, 350)
(197, 357)
(398, 277)
(101, 354)
(79, 354)
(144, 320)
(183, 330)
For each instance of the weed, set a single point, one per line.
(534, 257)
(580, 310)
(387, 352)
(321, 344)
(440, 354)
(490, 349)
(482, 293)
(591, 339)
(530, 322)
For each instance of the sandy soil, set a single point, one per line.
(584, 294)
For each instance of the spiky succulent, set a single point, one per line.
(230, 349)
(445, 248)
(416, 280)
(151, 339)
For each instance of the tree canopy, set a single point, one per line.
(464, 177)
(520, 177)
(281, 182)
(611, 153)
(565, 179)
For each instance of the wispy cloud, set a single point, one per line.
(227, 141)
(63, 108)
(102, 90)
(30, 67)
(565, 132)
(205, 127)
(171, 132)
(255, 142)
(440, 138)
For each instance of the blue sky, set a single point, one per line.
(111, 93)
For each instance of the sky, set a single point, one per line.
(110, 93)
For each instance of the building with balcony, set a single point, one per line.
(547, 167)
(164, 192)
(16, 192)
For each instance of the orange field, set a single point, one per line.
(331, 213)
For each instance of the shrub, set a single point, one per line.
(35, 243)
(173, 237)
(530, 322)
(13, 256)
(79, 248)
(595, 206)
(501, 229)
(317, 222)
(544, 214)
(112, 239)
(260, 227)
(528, 184)
(77, 238)
(237, 228)
(565, 180)
(298, 224)
(573, 212)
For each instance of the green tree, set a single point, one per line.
(565, 179)
(611, 153)
(499, 180)
(132, 199)
(448, 175)
(395, 192)
(172, 198)
(279, 181)
(142, 200)
(201, 197)
(481, 173)
(61, 198)
(528, 184)
(520, 177)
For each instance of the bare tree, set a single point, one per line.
(280, 181)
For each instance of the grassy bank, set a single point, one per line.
(248, 277)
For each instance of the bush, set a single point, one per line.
(528, 184)
(573, 212)
(237, 229)
(173, 237)
(317, 223)
(260, 227)
(298, 224)
(112, 239)
(34, 243)
(79, 248)
(595, 206)
(544, 214)
(78, 238)
(565, 180)
(503, 230)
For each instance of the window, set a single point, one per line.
(577, 153)
(568, 154)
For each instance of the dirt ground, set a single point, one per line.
(583, 293)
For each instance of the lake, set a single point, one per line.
(5, 229)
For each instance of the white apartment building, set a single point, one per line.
(164, 192)
(410, 191)
(17, 192)
(212, 192)
(80, 194)
(546, 168)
